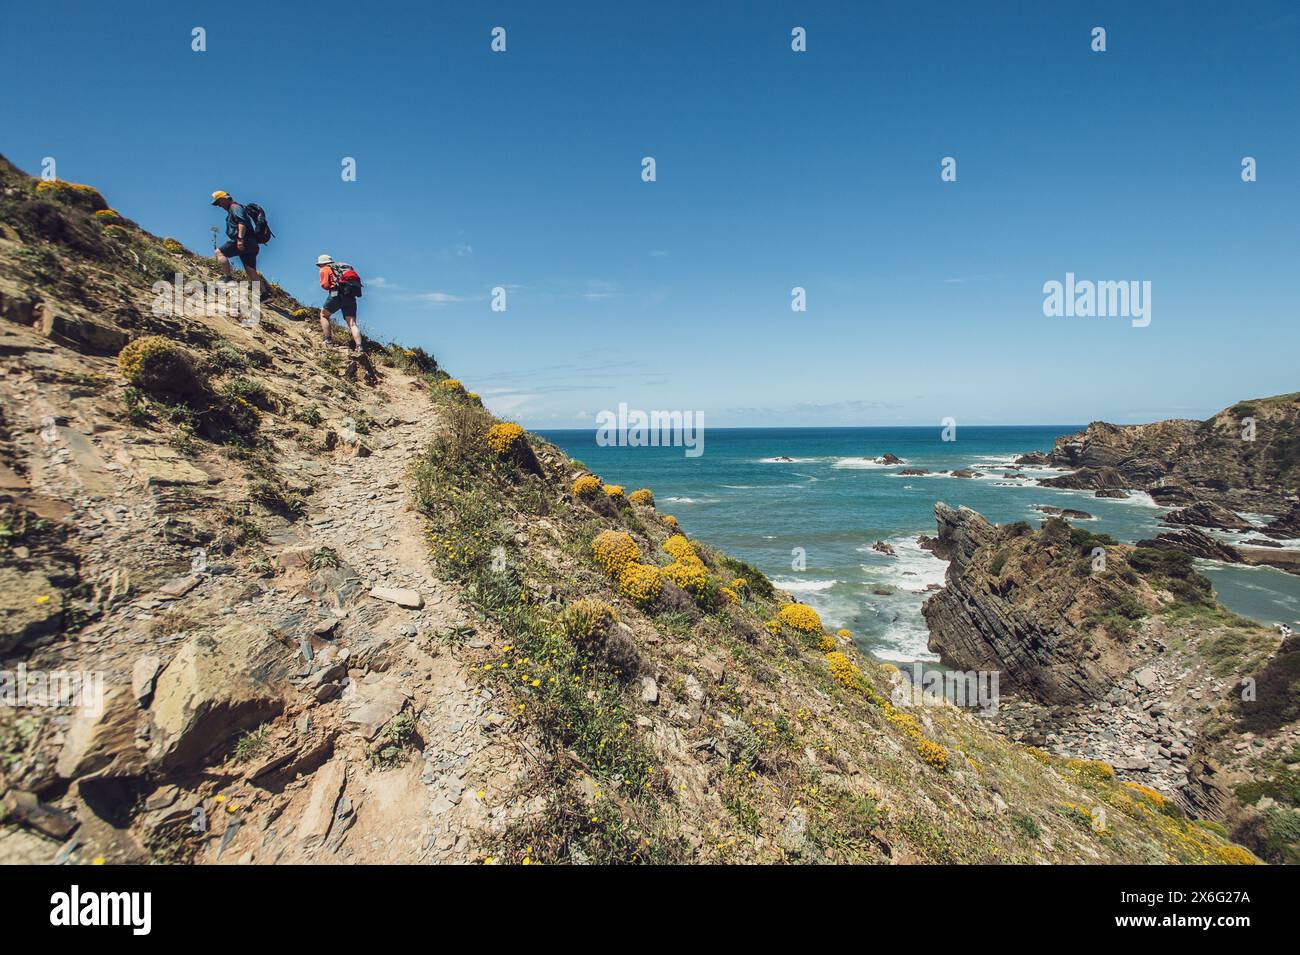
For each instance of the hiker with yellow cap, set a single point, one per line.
(246, 232)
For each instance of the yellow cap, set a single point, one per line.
(219, 195)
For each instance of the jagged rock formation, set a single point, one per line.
(1208, 514)
(1027, 604)
(1287, 525)
(1246, 457)
(1196, 543)
(1091, 479)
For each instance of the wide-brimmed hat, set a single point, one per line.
(218, 196)
(324, 260)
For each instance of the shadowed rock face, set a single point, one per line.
(1208, 514)
(1029, 604)
(1189, 540)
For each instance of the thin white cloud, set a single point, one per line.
(438, 298)
(600, 289)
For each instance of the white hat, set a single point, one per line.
(323, 260)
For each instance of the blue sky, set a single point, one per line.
(774, 169)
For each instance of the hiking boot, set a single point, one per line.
(266, 293)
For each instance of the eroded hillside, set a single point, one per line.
(343, 614)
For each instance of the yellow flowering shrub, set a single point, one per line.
(845, 634)
(586, 486)
(671, 521)
(107, 215)
(904, 721)
(1038, 754)
(301, 313)
(172, 246)
(826, 643)
(615, 550)
(73, 193)
(615, 493)
(847, 673)
(156, 365)
(505, 438)
(739, 584)
(584, 620)
(729, 595)
(1094, 768)
(800, 617)
(691, 575)
(451, 386)
(641, 583)
(932, 753)
(1152, 796)
(1225, 853)
(642, 496)
(679, 547)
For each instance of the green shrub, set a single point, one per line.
(323, 557)
(273, 496)
(392, 747)
(1084, 541)
(1174, 571)
(226, 357)
(756, 582)
(249, 390)
(308, 415)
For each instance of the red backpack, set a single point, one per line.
(347, 279)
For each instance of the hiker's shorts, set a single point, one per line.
(248, 257)
(346, 302)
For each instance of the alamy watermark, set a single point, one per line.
(633, 428)
(1087, 299)
(237, 300)
(968, 689)
(64, 689)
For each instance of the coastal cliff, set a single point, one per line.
(1120, 653)
(1029, 603)
(1245, 457)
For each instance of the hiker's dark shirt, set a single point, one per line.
(235, 215)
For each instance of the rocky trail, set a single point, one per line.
(376, 637)
(349, 617)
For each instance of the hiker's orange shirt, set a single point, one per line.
(326, 277)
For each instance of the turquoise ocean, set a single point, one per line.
(833, 501)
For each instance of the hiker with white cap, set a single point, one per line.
(343, 285)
